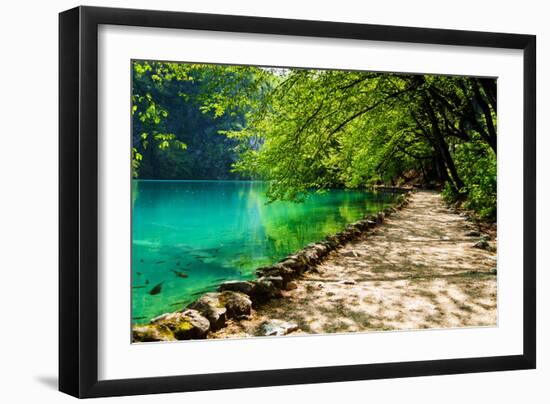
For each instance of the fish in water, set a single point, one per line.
(138, 273)
(147, 281)
(156, 289)
(139, 318)
(138, 286)
(180, 274)
(211, 251)
(141, 260)
(160, 262)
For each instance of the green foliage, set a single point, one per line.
(478, 167)
(326, 129)
(303, 129)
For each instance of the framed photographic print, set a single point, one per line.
(251, 201)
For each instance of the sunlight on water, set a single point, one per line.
(189, 236)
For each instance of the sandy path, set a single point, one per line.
(417, 270)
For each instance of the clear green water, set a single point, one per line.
(214, 231)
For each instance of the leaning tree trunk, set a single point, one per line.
(491, 130)
(443, 148)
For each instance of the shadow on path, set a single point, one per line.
(418, 270)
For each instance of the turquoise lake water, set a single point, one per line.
(212, 231)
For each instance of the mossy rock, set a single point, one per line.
(152, 333)
(183, 330)
(189, 324)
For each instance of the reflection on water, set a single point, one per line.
(189, 236)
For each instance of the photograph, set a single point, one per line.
(286, 201)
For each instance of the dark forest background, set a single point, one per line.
(180, 140)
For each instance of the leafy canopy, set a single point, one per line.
(303, 129)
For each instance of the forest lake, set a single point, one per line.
(190, 236)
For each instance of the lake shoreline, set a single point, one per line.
(237, 299)
(428, 266)
(189, 236)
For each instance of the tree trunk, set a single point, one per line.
(442, 147)
(492, 133)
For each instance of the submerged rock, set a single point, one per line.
(151, 333)
(275, 327)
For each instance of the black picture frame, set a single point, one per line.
(78, 201)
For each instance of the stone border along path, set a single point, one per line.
(426, 267)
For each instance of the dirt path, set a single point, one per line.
(417, 270)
